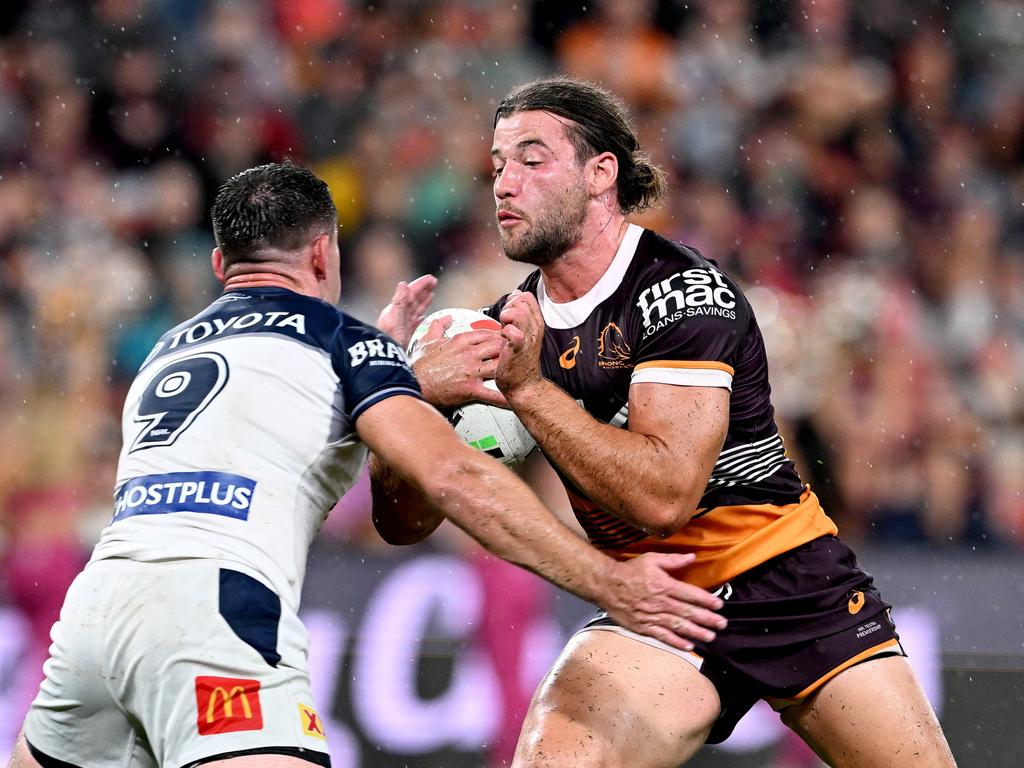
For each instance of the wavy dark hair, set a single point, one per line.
(278, 206)
(600, 123)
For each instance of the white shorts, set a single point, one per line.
(172, 664)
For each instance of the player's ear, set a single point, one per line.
(601, 173)
(217, 262)
(319, 260)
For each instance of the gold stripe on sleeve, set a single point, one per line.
(691, 364)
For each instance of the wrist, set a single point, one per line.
(601, 580)
(432, 394)
(525, 394)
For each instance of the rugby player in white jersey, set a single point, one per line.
(179, 644)
(639, 367)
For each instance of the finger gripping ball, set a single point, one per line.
(495, 431)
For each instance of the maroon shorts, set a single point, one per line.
(795, 621)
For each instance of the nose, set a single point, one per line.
(506, 184)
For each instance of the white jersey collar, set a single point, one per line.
(575, 312)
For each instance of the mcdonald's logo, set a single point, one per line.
(226, 704)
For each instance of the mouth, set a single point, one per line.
(508, 219)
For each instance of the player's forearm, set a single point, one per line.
(498, 509)
(628, 474)
(401, 514)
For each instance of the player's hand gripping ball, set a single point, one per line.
(495, 431)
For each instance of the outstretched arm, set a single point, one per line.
(442, 475)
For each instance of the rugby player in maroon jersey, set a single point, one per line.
(638, 366)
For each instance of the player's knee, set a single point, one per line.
(551, 739)
(555, 741)
(554, 753)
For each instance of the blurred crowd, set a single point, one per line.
(857, 165)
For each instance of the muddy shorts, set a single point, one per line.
(174, 664)
(795, 622)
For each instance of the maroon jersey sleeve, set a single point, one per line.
(691, 324)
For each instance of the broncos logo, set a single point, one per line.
(611, 345)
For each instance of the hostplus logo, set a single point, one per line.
(692, 293)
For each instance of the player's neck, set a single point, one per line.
(272, 279)
(578, 270)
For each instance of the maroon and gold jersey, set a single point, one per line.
(662, 313)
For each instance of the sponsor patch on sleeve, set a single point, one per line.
(690, 293)
(377, 352)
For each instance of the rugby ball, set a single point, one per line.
(495, 431)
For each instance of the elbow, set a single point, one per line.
(664, 518)
(410, 527)
(400, 515)
(403, 537)
(392, 536)
(662, 526)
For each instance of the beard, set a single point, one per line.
(550, 234)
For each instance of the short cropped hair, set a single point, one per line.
(278, 206)
(600, 123)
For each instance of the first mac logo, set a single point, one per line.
(690, 293)
(227, 704)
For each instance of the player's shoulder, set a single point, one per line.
(661, 265)
(273, 312)
(357, 343)
(657, 255)
(669, 282)
(352, 331)
(349, 326)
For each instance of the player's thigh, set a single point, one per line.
(20, 756)
(611, 700)
(75, 717)
(872, 715)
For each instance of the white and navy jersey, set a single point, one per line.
(664, 314)
(239, 433)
